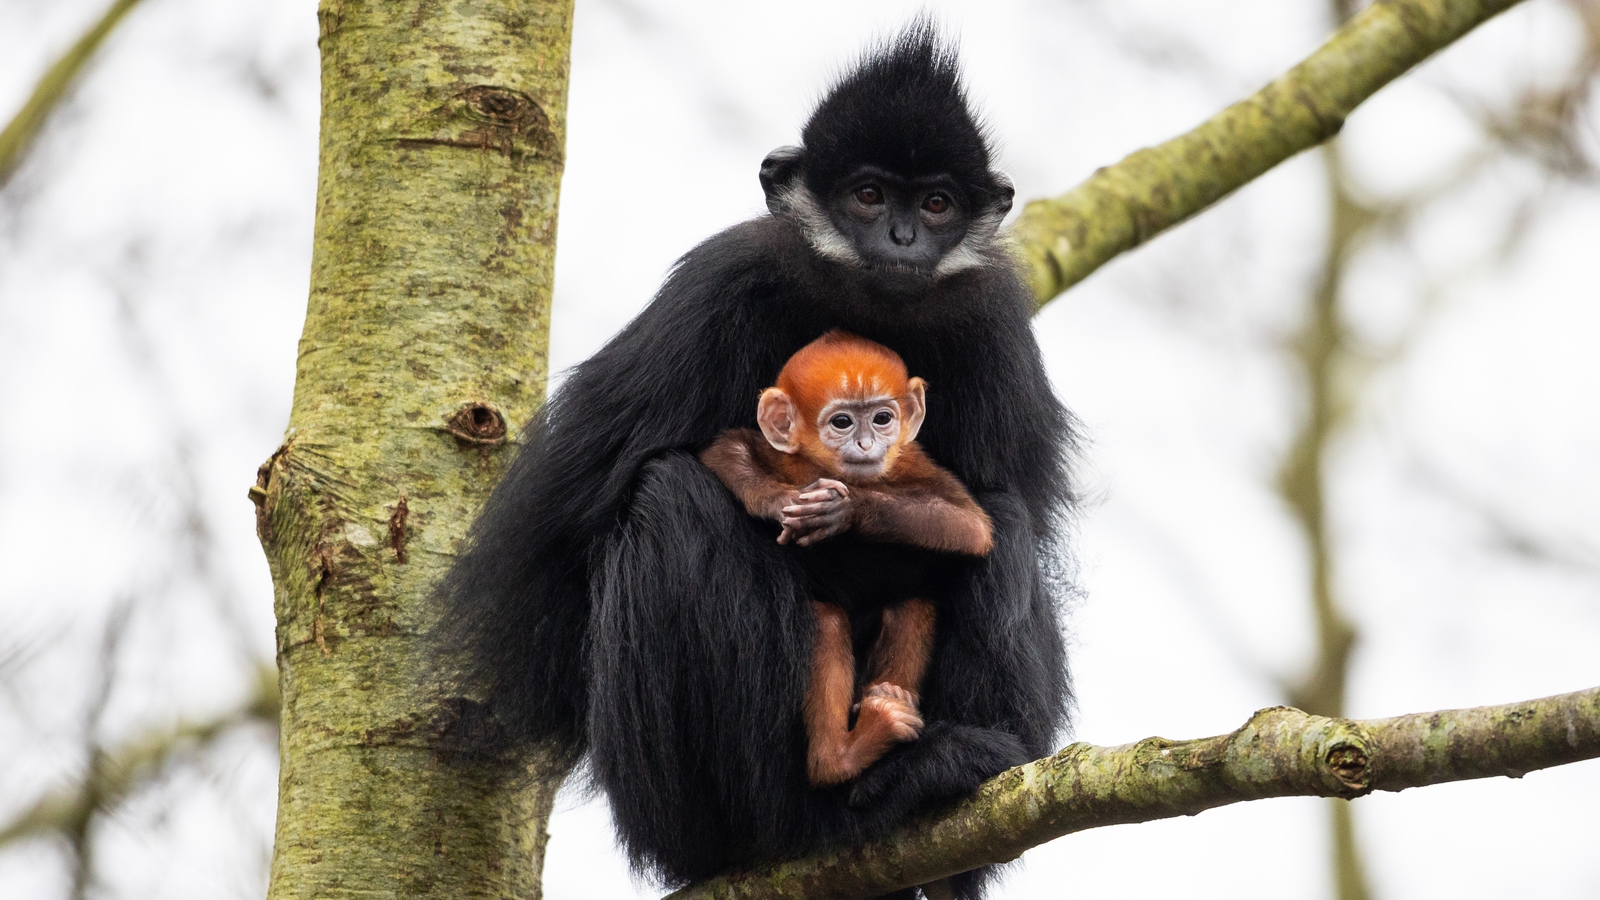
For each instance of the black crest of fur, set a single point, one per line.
(902, 109)
(615, 598)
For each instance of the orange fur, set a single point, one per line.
(841, 365)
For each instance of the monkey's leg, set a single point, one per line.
(837, 752)
(904, 646)
(827, 708)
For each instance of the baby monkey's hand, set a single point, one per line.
(820, 510)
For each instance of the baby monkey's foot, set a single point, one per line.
(895, 710)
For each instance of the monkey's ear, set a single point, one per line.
(779, 420)
(916, 409)
(777, 171)
(1005, 194)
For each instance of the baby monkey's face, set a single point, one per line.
(860, 434)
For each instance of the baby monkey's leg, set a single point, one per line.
(837, 752)
(905, 644)
(899, 661)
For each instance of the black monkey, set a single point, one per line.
(616, 599)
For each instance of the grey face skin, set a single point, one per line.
(897, 223)
(860, 433)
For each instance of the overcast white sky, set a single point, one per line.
(153, 271)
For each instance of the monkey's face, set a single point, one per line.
(899, 224)
(861, 435)
(904, 230)
(857, 431)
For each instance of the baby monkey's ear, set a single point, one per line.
(779, 420)
(916, 409)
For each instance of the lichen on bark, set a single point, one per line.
(1280, 752)
(426, 331)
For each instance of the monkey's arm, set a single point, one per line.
(923, 520)
(925, 506)
(736, 458)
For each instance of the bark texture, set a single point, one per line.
(1064, 239)
(441, 154)
(1280, 752)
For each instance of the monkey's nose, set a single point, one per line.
(905, 236)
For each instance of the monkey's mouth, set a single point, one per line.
(898, 277)
(898, 268)
(891, 266)
(861, 470)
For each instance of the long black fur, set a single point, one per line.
(615, 598)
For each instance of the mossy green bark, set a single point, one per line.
(1280, 752)
(1064, 239)
(425, 343)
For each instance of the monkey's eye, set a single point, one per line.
(882, 418)
(841, 421)
(936, 203)
(869, 195)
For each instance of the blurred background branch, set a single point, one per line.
(115, 773)
(19, 134)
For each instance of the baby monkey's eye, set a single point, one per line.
(882, 418)
(841, 421)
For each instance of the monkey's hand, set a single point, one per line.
(822, 509)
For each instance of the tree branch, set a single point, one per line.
(26, 124)
(1280, 752)
(1063, 239)
(123, 770)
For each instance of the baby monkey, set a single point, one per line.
(837, 458)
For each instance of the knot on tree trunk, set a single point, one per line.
(486, 117)
(478, 424)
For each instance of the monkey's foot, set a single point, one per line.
(896, 693)
(888, 717)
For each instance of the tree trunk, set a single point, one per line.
(425, 341)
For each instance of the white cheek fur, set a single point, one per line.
(814, 224)
(969, 253)
(824, 238)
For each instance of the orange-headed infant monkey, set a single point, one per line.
(837, 459)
